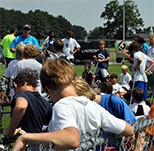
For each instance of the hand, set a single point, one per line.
(135, 68)
(94, 56)
(9, 133)
(19, 144)
(17, 130)
(99, 60)
(43, 55)
(145, 72)
(71, 51)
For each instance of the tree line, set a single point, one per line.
(42, 22)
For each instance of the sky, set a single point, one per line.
(85, 13)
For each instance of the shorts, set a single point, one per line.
(104, 72)
(143, 86)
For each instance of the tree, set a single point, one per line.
(113, 13)
(96, 33)
(78, 32)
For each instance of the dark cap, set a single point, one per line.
(27, 26)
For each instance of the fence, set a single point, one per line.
(140, 141)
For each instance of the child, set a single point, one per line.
(117, 88)
(48, 43)
(138, 107)
(87, 74)
(111, 103)
(71, 46)
(73, 116)
(30, 65)
(58, 50)
(136, 36)
(102, 58)
(144, 45)
(11, 67)
(125, 77)
(83, 88)
(139, 67)
(29, 110)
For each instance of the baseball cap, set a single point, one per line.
(27, 26)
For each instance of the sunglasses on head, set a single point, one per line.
(26, 29)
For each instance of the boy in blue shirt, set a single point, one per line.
(102, 58)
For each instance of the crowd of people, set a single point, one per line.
(53, 105)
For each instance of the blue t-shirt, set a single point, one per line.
(22, 40)
(123, 111)
(103, 54)
(121, 108)
(145, 48)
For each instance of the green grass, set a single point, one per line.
(2, 70)
(6, 117)
(112, 55)
(115, 68)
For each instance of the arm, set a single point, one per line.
(128, 131)
(42, 54)
(107, 59)
(17, 114)
(139, 60)
(58, 137)
(12, 50)
(71, 51)
(150, 67)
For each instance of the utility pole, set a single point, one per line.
(123, 25)
(123, 19)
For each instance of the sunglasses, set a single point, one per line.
(26, 29)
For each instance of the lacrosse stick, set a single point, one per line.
(124, 51)
(133, 88)
(93, 76)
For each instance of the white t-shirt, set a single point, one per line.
(69, 44)
(134, 108)
(140, 75)
(124, 80)
(8, 73)
(85, 115)
(117, 88)
(30, 65)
